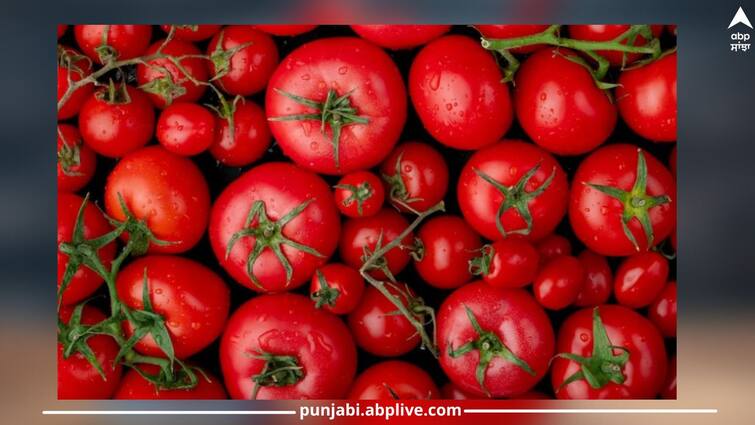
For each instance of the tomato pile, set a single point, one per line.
(374, 211)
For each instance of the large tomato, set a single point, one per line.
(135, 387)
(608, 33)
(72, 66)
(242, 59)
(416, 177)
(112, 41)
(165, 82)
(397, 37)
(76, 161)
(393, 380)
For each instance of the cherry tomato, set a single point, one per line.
(416, 176)
(165, 82)
(393, 380)
(76, 161)
(512, 31)
(135, 387)
(397, 37)
(249, 140)
(74, 66)
(608, 33)
(336, 288)
(455, 86)
(559, 282)
(598, 280)
(242, 70)
(662, 311)
(553, 246)
(668, 392)
(508, 263)
(452, 392)
(640, 278)
(359, 194)
(192, 32)
(285, 30)
(185, 129)
(122, 41)
(281, 347)
(448, 245)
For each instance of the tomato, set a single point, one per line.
(114, 122)
(274, 226)
(185, 129)
(455, 86)
(336, 105)
(359, 194)
(192, 32)
(662, 311)
(135, 387)
(617, 191)
(559, 105)
(502, 332)
(634, 370)
(164, 82)
(85, 281)
(512, 188)
(363, 236)
(452, 392)
(76, 161)
(512, 31)
(191, 299)
(285, 30)
(646, 97)
(242, 70)
(62, 29)
(508, 263)
(393, 380)
(167, 191)
(640, 278)
(397, 37)
(448, 244)
(559, 282)
(416, 176)
(596, 288)
(668, 391)
(336, 288)
(72, 65)
(250, 138)
(281, 347)
(552, 246)
(608, 33)
(122, 41)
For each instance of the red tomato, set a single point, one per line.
(192, 300)
(513, 188)
(452, 392)
(76, 161)
(285, 30)
(393, 380)
(72, 65)
(281, 347)
(508, 263)
(448, 244)
(250, 138)
(135, 387)
(164, 82)
(636, 370)
(416, 176)
(598, 280)
(186, 129)
(360, 105)
(243, 70)
(559, 105)
(668, 391)
(615, 191)
(359, 194)
(552, 246)
(646, 97)
(118, 123)
(336, 288)
(62, 29)
(397, 37)
(559, 282)
(608, 33)
(123, 41)
(85, 281)
(502, 331)
(456, 89)
(192, 32)
(640, 278)
(167, 191)
(512, 31)
(662, 311)
(274, 226)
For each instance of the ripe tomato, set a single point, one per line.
(559, 282)
(72, 65)
(185, 129)
(285, 30)
(191, 299)
(416, 177)
(397, 37)
(448, 244)
(662, 311)
(112, 41)
(668, 392)
(512, 31)
(559, 105)
(640, 278)
(634, 370)
(85, 281)
(393, 380)
(242, 70)
(281, 347)
(623, 200)
(167, 191)
(513, 188)
(336, 105)
(76, 161)
(452, 392)
(250, 138)
(192, 32)
(336, 288)
(456, 89)
(608, 33)
(508, 263)
(646, 97)
(598, 280)
(274, 226)
(359, 194)
(114, 122)
(552, 246)
(502, 333)
(164, 82)
(135, 387)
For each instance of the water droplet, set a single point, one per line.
(196, 325)
(435, 81)
(342, 70)
(158, 291)
(305, 77)
(603, 210)
(543, 96)
(449, 106)
(584, 337)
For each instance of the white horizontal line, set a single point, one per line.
(169, 412)
(592, 411)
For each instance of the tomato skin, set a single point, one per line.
(78, 174)
(287, 324)
(167, 191)
(596, 217)
(135, 387)
(640, 279)
(598, 280)
(185, 129)
(154, 69)
(515, 318)
(78, 97)
(514, 264)
(455, 86)
(553, 246)
(192, 299)
(559, 106)
(349, 206)
(396, 37)
(62, 29)
(662, 311)
(347, 65)
(448, 246)
(406, 380)
(251, 67)
(346, 280)
(251, 136)
(668, 392)
(512, 31)
(646, 97)
(85, 281)
(507, 162)
(129, 41)
(422, 170)
(282, 187)
(185, 33)
(285, 30)
(452, 392)
(645, 370)
(559, 282)
(608, 33)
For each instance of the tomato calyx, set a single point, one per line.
(140, 235)
(336, 111)
(489, 346)
(326, 295)
(221, 57)
(115, 95)
(68, 59)
(106, 52)
(73, 337)
(359, 194)
(603, 366)
(279, 371)
(69, 155)
(636, 203)
(378, 262)
(164, 87)
(481, 265)
(398, 193)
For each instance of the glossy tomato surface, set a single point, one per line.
(397, 37)
(448, 244)
(391, 380)
(134, 387)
